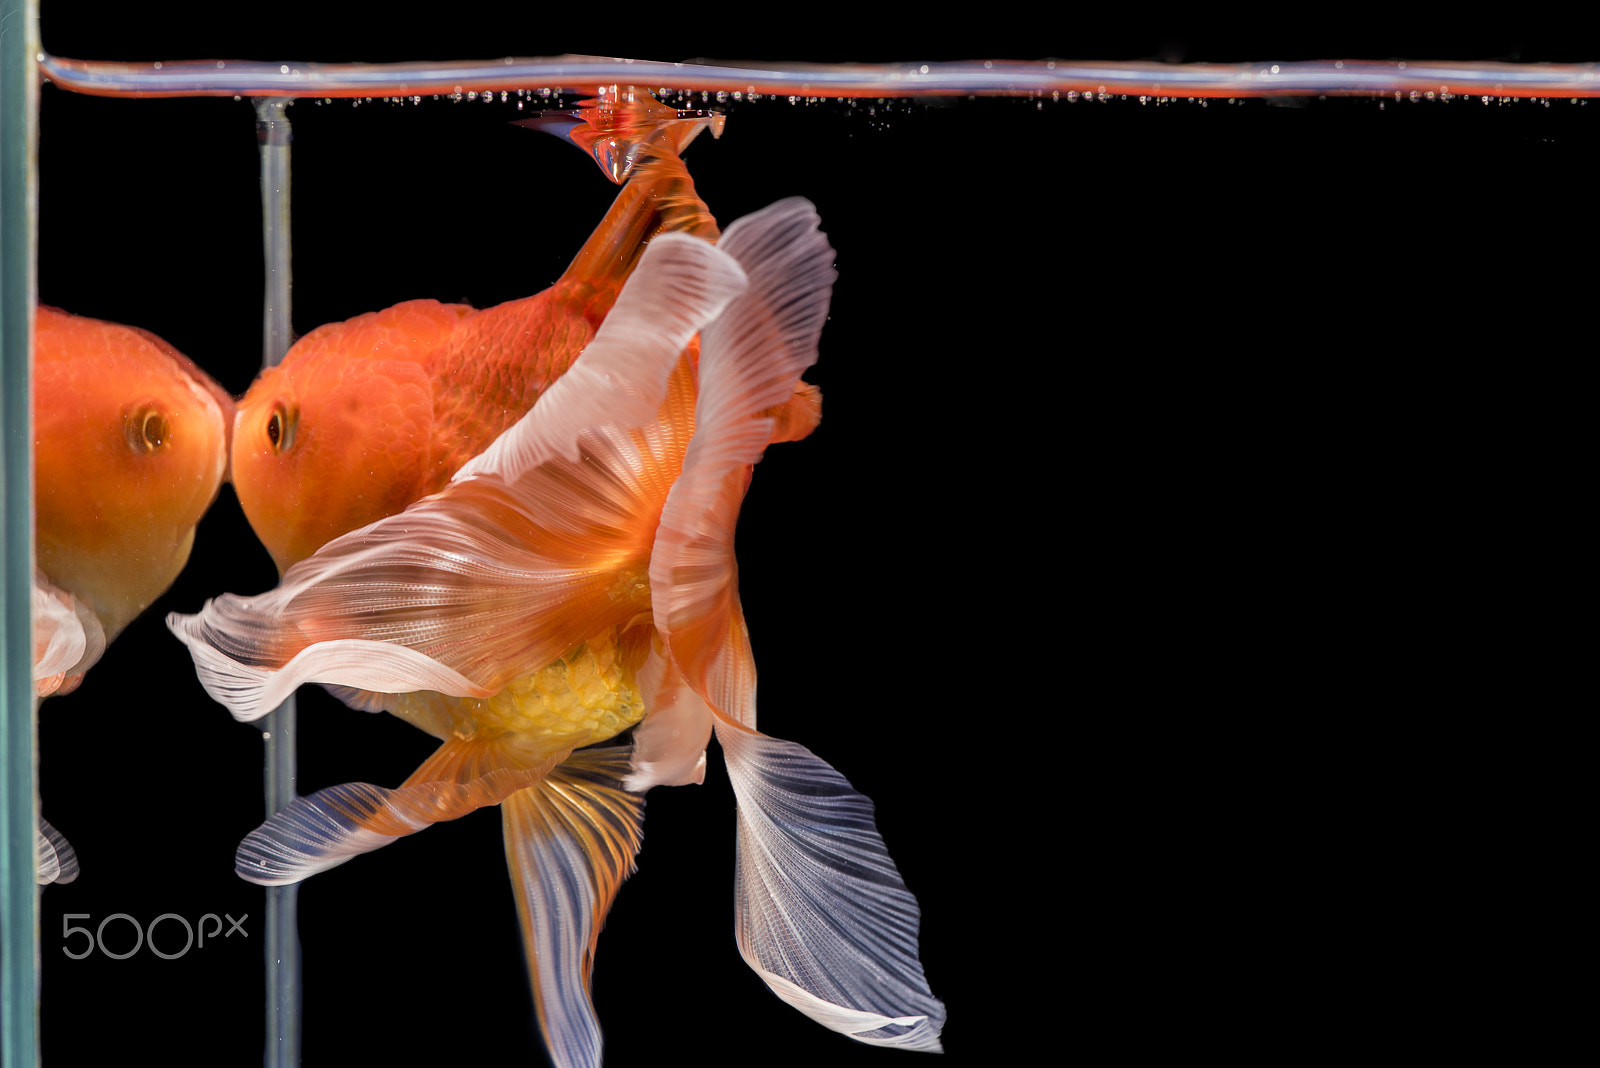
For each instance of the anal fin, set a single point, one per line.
(570, 843)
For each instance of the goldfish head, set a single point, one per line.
(130, 446)
(339, 434)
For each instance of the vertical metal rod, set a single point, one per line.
(283, 939)
(19, 917)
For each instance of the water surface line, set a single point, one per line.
(1036, 78)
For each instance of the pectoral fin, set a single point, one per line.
(821, 912)
(570, 843)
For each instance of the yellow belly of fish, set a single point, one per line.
(587, 696)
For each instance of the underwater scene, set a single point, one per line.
(1102, 380)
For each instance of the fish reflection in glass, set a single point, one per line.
(130, 448)
(576, 580)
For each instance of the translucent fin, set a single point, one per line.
(797, 417)
(57, 862)
(750, 359)
(67, 638)
(669, 747)
(821, 912)
(681, 284)
(238, 675)
(545, 545)
(570, 843)
(324, 830)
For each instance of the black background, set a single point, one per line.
(1114, 395)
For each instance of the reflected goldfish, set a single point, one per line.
(575, 580)
(130, 447)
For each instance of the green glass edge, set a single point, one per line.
(19, 933)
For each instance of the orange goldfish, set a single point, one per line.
(575, 580)
(130, 447)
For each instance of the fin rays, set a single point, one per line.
(327, 828)
(57, 862)
(532, 550)
(751, 357)
(822, 914)
(570, 842)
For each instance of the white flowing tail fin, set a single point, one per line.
(823, 915)
(821, 912)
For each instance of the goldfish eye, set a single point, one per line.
(145, 428)
(280, 429)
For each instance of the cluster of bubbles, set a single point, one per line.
(878, 108)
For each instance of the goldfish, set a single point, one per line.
(130, 449)
(574, 581)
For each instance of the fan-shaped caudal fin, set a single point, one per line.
(539, 544)
(570, 842)
(324, 830)
(57, 863)
(821, 912)
(750, 359)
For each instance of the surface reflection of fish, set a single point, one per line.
(130, 446)
(574, 579)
